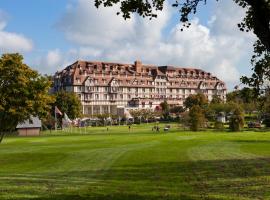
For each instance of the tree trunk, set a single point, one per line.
(2, 134)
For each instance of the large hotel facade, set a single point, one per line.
(105, 87)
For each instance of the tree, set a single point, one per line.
(237, 119)
(216, 99)
(177, 110)
(245, 95)
(69, 103)
(257, 19)
(196, 99)
(23, 93)
(260, 61)
(103, 118)
(147, 114)
(165, 109)
(265, 109)
(136, 114)
(196, 118)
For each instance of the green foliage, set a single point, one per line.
(140, 115)
(69, 103)
(196, 118)
(177, 110)
(233, 96)
(237, 119)
(261, 67)
(216, 99)
(23, 92)
(165, 110)
(103, 118)
(219, 125)
(245, 95)
(136, 114)
(196, 99)
(265, 109)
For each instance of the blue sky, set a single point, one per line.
(52, 34)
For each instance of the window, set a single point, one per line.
(96, 96)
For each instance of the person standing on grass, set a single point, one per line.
(129, 128)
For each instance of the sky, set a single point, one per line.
(53, 34)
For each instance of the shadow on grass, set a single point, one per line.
(213, 179)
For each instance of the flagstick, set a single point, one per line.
(55, 124)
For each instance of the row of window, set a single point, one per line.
(121, 96)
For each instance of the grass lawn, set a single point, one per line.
(119, 164)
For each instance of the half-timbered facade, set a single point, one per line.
(103, 87)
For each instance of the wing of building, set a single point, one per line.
(103, 86)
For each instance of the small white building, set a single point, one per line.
(221, 117)
(30, 127)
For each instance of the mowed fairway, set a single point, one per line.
(138, 165)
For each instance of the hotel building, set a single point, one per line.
(105, 87)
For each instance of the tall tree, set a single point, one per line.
(69, 103)
(23, 92)
(237, 119)
(196, 118)
(196, 99)
(165, 109)
(216, 99)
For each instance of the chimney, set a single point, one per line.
(138, 66)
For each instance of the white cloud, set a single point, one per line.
(52, 62)
(100, 34)
(12, 42)
(53, 58)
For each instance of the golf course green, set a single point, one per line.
(136, 164)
